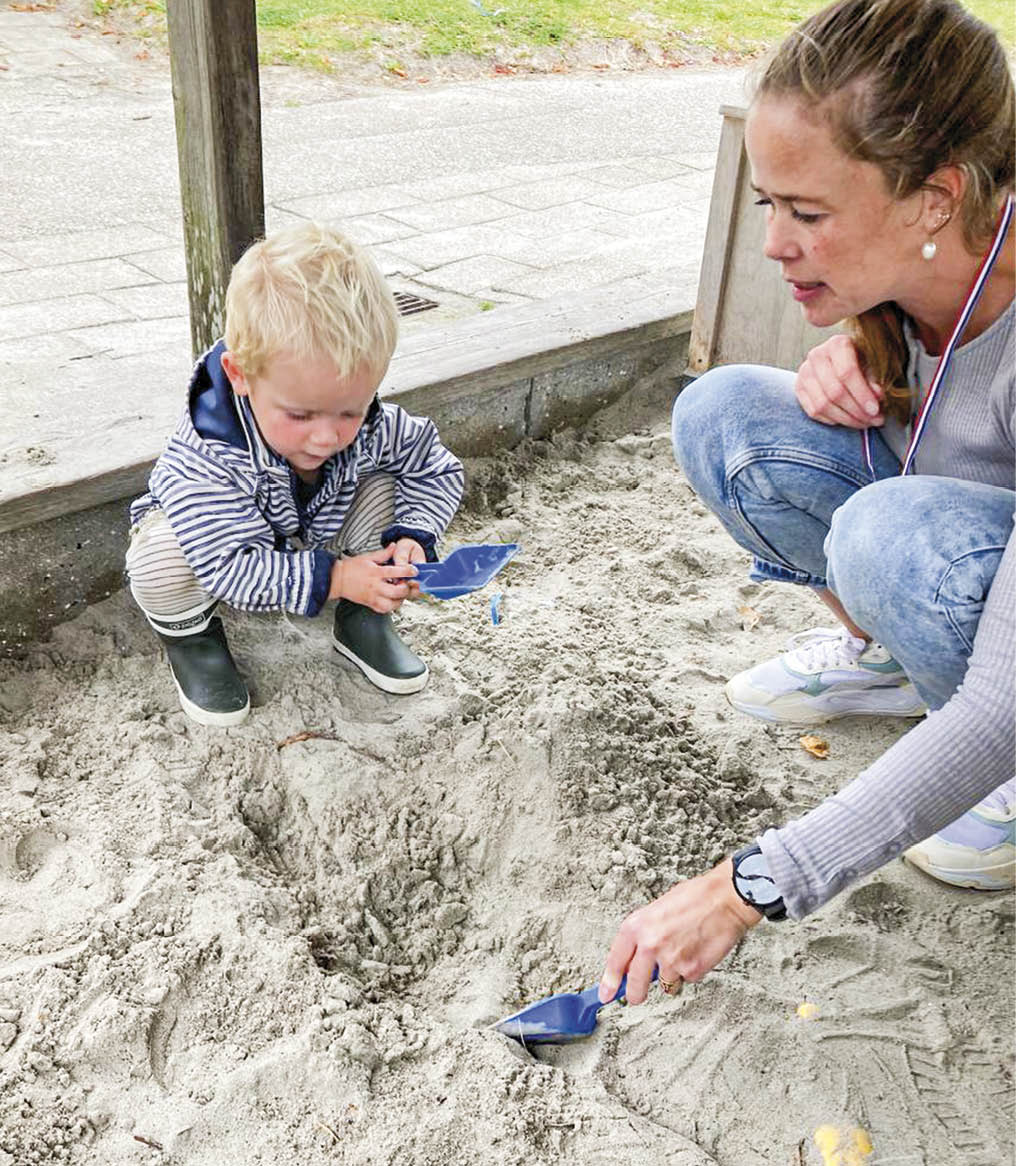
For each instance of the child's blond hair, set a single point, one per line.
(308, 291)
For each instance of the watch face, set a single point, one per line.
(754, 882)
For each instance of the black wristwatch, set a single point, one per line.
(754, 884)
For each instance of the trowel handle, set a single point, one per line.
(621, 988)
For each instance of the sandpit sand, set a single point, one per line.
(214, 950)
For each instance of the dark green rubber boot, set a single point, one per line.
(211, 691)
(370, 640)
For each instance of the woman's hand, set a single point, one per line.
(685, 932)
(372, 580)
(831, 387)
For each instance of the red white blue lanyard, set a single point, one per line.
(980, 280)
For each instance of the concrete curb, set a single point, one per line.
(488, 382)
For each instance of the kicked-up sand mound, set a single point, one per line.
(283, 943)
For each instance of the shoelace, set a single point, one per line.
(820, 648)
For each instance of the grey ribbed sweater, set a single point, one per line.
(967, 748)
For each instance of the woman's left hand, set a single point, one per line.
(685, 932)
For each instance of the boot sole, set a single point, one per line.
(205, 716)
(398, 686)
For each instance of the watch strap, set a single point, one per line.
(756, 887)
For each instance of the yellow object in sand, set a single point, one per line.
(808, 1011)
(843, 1147)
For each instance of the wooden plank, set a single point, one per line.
(744, 312)
(727, 179)
(119, 484)
(216, 96)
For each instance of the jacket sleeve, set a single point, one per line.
(228, 542)
(428, 478)
(942, 767)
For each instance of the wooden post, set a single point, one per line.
(214, 61)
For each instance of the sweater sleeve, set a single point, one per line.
(228, 542)
(428, 477)
(942, 767)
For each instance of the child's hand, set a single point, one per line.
(372, 580)
(407, 550)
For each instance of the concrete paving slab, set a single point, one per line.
(372, 229)
(167, 263)
(603, 268)
(21, 358)
(470, 275)
(653, 196)
(436, 248)
(151, 301)
(462, 183)
(689, 220)
(619, 176)
(75, 246)
(339, 204)
(19, 321)
(550, 192)
(662, 166)
(42, 283)
(552, 251)
(135, 338)
(555, 220)
(450, 213)
(392, 264)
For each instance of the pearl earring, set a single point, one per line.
(930, 249)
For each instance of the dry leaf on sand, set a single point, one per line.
(815, 746)
(750, 618)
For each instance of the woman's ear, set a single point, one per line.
(943, 196)
(235, 374)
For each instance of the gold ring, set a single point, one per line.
(672, 987)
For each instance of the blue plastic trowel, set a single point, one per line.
(560, 1019)
(466, 569)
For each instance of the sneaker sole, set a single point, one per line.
(397, 686)
(990, 878)
(792, 713)
(205, 717)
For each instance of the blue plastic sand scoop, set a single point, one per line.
(559, 1019)
(465, 569)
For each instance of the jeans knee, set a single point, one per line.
(698, 410)
(870, 553)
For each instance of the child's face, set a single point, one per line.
(306, 412)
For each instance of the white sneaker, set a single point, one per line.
(827, 673)
(978, 849)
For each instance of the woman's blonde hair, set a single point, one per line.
(308, 291)
(910, 86)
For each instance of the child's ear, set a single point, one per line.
(235, 374)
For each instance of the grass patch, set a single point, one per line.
(314, 33)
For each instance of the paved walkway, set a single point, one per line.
(471, 194)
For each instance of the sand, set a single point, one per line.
(216, 947)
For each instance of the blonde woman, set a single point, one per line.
(881, 475)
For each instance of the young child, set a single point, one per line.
(288, 482)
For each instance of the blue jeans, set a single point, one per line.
(911, 559)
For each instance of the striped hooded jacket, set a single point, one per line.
(233, 504)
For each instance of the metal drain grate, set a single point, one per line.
(409, 304)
